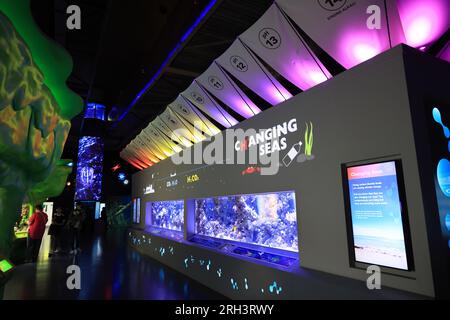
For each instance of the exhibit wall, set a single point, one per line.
(35, 111)
(359, 118)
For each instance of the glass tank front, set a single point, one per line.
(166, 214)
(268, 220)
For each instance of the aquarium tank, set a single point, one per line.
(166, 214)
(268, 220)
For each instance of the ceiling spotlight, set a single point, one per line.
(126, 182)
(68, 183)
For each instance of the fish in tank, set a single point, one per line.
(261, 219)
(166, 214)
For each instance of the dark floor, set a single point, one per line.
(109, 270)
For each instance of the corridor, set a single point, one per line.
(109, 270)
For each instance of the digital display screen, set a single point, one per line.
(165, 214)
(268, 220)
(376, 215)
(89, 169)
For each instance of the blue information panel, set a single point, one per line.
(376, 215)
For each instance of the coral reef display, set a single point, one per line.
(262, 219)
(167, 214)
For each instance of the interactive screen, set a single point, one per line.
(268, 220)
(89, 169)
(376, 215)
(165, 214)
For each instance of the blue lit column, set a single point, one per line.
(90, 155)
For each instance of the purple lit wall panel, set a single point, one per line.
(220, 86)
(197, 96)
(274, 40)
(445, 53)
(242, 64)
(340, 28)
(424, 21)
(89, 169)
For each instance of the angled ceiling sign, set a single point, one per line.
(341, 28)
(243, 65)
(274, 40)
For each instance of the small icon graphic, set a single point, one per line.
(149, 189)
(292, 154)
(270, 38)
(332, 5)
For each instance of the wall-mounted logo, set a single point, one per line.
(215, 83)
(149, 189)
(239, 63)
(268, 140)
(332, 5)
(270, 38)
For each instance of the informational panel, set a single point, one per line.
(376, 215)
(89, 169)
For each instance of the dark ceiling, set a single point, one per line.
(123, 43)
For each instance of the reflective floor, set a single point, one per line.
(109, 270)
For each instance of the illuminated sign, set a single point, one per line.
(193, 178)
(269, 140)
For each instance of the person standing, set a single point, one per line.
(36, 231)
(55, 231)
(75, 223)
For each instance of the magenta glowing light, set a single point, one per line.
(424, 21)
(363, 51)
(445, 52)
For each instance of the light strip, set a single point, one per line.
(169, 57)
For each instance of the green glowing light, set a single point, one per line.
(52, 60)
(5, 266)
